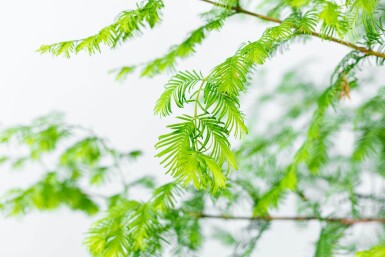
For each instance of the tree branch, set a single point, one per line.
(364, 50)
(344, 221)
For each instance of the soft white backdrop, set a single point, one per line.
(32, 85)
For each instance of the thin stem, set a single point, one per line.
(364, 50)
(196, 109)
(345, 221)
(197, 98)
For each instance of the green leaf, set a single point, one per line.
(184, 49)
(123, 72)
(87, 151)
(47, 194)
(327, 243)
(164, 197)
(126, 25)
(230, 76)
(377, 251)
(176, 89)
(177, 143)
(215, 140)
(226, 108)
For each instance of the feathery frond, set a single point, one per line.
(177, 89)
(328, 240)
(126, 25)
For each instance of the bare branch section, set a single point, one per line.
(364, 50)
(345, 221)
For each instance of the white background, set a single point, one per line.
(32, 85)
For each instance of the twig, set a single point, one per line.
(364, 50)
(345, 221)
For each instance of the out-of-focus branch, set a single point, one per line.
(342, 220)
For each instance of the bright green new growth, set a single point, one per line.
(296, 153)
(128, 24)
(376, 251)
(198, 147)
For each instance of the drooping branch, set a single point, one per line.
(344, 221)
(364, 50)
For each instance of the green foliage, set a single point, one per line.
(314, 149)
(183, 160)
(184, 49)
(123, 72)
(41, 137)
(198, 145)
(230, 76)
(126, 25)
(307, 22)
(296, 152)
(176, 90)
(188, 233)
(376, 251)
(228, 79)
(221, 89)
(79, 158)
(225, 108)
(47, 194)
(371, 137)
(110, 236)
(328, 240)
(164, 196)
(331, 22)
(131, 227)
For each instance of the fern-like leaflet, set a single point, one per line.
(176, 89)
(198, 146)
(126, 25)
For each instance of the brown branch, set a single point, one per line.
(344, 221)
(364, 50)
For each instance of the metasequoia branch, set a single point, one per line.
(364, 50)
(344, 221)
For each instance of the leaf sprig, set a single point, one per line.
(127, 24)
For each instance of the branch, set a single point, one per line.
(364, 50)
(344, 221)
